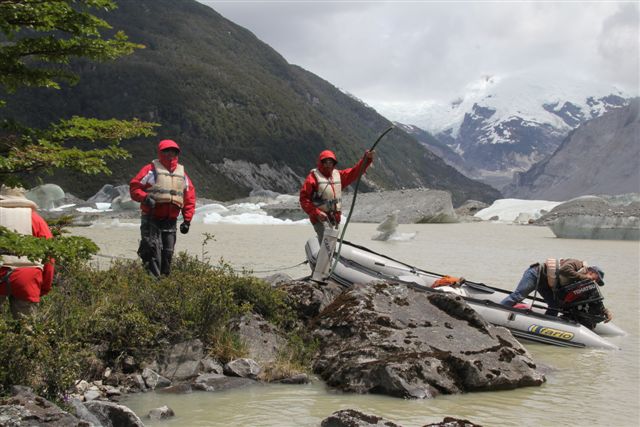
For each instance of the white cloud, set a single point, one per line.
(416, 51)
(618, 39)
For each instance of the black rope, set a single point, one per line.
(244, 269)
(273, 270)
(353, 202)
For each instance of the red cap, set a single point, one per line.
(327, 154)
(168, 143)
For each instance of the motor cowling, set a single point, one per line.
(582, 302)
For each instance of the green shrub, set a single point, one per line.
(119, 311)
(33, 353)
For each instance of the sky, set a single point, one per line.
(417, 51)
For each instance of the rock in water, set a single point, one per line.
(404, 342)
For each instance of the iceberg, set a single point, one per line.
(516, 210)
(389, 229)
(46, 195)
(240, 213)
(597, 227)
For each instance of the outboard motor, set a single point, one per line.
(582, 302)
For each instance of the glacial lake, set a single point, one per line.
(584, 386)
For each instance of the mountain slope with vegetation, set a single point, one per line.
(234, 104)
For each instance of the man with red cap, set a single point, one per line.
(164, 191)
(321, 192)
(23, 281)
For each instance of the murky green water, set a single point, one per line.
(584, 387)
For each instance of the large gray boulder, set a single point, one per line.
(218, 382)
(395, 340)
(262, 340)
(113, 415)
(354, 418)
(25, 409)
(181, 361)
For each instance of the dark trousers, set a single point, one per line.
(158, 238)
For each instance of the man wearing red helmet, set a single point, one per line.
(164, 191)
(321, 193)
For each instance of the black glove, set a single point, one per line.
(149, 201)
(184, 227)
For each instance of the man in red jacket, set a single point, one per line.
(321, 192)
(23, 282)
(164, 191)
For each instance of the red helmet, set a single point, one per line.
(168, 143)
(327, 154)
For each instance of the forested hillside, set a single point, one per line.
(234, 105)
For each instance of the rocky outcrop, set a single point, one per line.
(353, 418)
(111, 414)
(181, 361)
(310, 298)
(261, 339)
(395, 340)
(26, 409)
(161, 413)
(217, 382)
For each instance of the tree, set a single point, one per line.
(38, 41)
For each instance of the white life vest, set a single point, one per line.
(169, 186)
(553, 272)
(328, 198)
(16, 216)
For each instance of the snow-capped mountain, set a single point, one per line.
(504, 124)
(600, 157)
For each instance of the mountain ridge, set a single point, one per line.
(506, 124)
(601, 156)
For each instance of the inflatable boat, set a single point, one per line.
(357, 264)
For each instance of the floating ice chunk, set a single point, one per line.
(63, 207)
(240, 213)
(389, 229)
(507, 210)
(100, 207)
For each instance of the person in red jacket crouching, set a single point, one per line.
(164, 191)
(23, 282)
